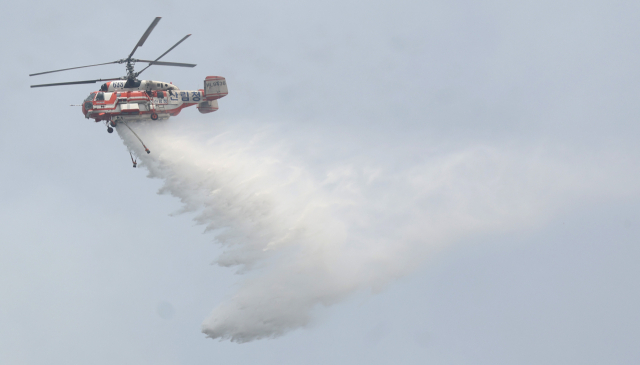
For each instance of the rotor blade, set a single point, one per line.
(162, 63)
(72, 68)
(145, 35)
(170, 49)
(77, 82)
(174, 46)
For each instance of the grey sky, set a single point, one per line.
(535, 259)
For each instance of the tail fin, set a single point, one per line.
(208, 106)
(215, 87)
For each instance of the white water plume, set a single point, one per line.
(305, 235)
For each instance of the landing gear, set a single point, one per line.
(111, 124)
(154, 116)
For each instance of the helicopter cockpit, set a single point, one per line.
(87, 104)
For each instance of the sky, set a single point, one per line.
(393, 182)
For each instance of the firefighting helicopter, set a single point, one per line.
(124, 99)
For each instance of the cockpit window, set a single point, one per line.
(90, 97)
(100, 97)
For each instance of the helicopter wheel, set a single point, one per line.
(113, 123)
(154, 116)
(109, 129)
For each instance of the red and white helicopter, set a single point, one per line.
(124, 99)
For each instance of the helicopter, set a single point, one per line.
(126, 98)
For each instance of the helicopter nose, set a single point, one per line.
(86, 106)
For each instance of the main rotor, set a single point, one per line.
(132, 75)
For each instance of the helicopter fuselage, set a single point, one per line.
(149, 99)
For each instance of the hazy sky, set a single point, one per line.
(392, 182)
